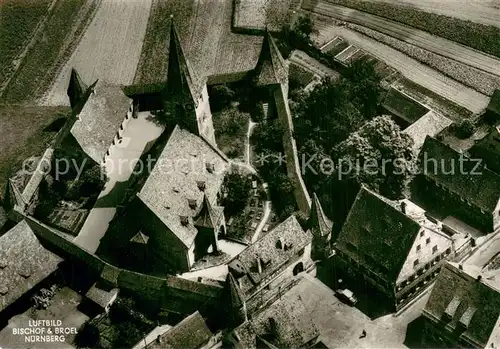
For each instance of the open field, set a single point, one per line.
(436, 44)
(408, 67)
(204, 28)
(18, 22)
(110, 48)
(479, 11)
(479, 36)
(54, 42)
(23, 133)
(479, 80)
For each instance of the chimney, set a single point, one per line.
(403, 207)
(279, 244)
(259, 265)
(479, 277)
(158, 339)
(184, 220)
(210, 167)
(192, 203)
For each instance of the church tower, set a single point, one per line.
(321, 229)
(185, 96)
(76, 89)
(237, 305)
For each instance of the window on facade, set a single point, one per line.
(418, 248)
(434, 249)
(415, 262)
(428, 241)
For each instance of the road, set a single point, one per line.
(479, 11)
(409, 67)
(109, 50)
(412, 36)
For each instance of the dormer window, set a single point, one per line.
(210, 167)
(24, 271)
(192, 204)
(3, 290)
(201, 185)
(184, 220)
(175, 190)
(279, 244)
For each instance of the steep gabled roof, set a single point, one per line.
(318, 222)
(140, 238)
(235, 294)
(377, 235)
(482, 190)
(207, 217)
(271, 67)
(13, 196)
(488, 149)
(76, 88)
(181, 79)
(461, 300)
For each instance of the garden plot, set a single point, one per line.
(109, 50)
(344, 55)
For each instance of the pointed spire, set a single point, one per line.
(206, 217)
(235, 293)
(318, 222)
(181, 79)
(271, 67)
(76, 88)
(13, 197)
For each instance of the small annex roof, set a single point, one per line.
(24, 263)
(271, 67)
(377, 235)
(461, 299)
(428, 125)
(101, 296)
(272, 251)
(208, 217)
(100, 119)
(318, 222)
(190, 333)
(173, 191)
(483, 191)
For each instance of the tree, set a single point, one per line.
(221, 97)
(304, 27)
(465, 129)
(380, 156)
(88, 336)
(237, 192)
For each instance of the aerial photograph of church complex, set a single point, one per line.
(204, 174)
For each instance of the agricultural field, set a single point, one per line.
(479, 80)
(110, 48)
(257, 14)
(53, 44)
(25, 132)
(204, 28)
(18, 22)
(479, 36)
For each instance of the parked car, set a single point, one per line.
(347, 296)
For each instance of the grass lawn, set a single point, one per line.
(23, 133)
(18, 20)
(403, 106)
(54, 44)
(231, 126)
(479, 36)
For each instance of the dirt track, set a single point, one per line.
(416, 37)
(479, 11)
(410, 68)
(109, 50)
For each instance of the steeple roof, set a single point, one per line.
(140, 238)
(76, 88)
(235, 292)
(207, 217)
(181, 79)
(271, 67)
(318, 222)
(13, 196)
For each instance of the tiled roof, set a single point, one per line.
(234, 290)
(100, 119)
(185, 161)
(207, 218)
(293, 325)
(318, 222)
(428, 125)
(271, 67)
(190, 333)
(101, 296)
(24, 262)
(273, 250)
(377, 235)
(488, 149)
(482, 190)
(459, 298)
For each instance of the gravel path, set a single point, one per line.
(110, 48)
(410, 68)
(416, 37)
(479, 11)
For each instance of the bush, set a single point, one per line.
(88, 336)
(465, 129)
